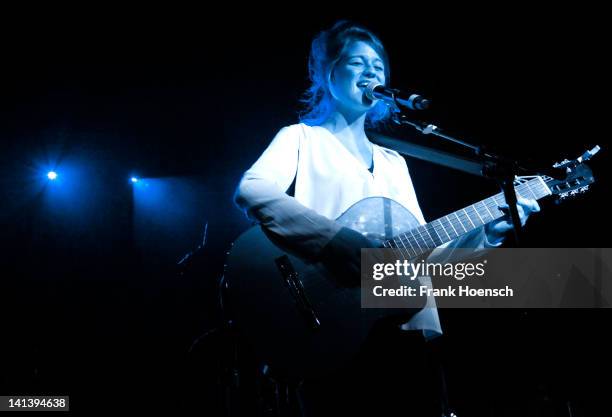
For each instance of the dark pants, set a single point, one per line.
(393, 375)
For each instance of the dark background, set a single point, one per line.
(93, 303)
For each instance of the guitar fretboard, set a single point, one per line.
(435, 233)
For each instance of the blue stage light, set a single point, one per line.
(134, 180)
(52, 175)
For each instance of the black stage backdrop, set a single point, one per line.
(93, 302)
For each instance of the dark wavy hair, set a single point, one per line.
(327, 49)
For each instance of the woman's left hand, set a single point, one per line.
(498, 228)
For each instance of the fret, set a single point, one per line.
(401, 245)
(543, 187)
(467, 216)
(441, 221)
(535, 197)
(544, 190)
(500, 200)
(487, 207)
(524, 191)
(472, 218)
(404, 252)
(428, 245)
(397, 242)
(459, 220)
(425, 236)
(451, 223)
(490, 205)
(478, 214)
(430, 238)
(409, 252)
(521, 193)
(411, 239)
(437, 234)
(416, 240)
(538, 190)
(482, 213)
(527, 187)
(496, 213)
(414, 245)
(432, 226)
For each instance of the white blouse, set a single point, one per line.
(328, 180)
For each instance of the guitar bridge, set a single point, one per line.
(297, 291)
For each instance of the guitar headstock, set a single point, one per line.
(574, 177)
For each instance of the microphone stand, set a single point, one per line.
(488, 165)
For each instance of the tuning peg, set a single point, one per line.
(561, 164)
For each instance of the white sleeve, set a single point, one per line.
(261, 193)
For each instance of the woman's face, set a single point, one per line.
(359, 65)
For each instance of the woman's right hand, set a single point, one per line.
(342, 255)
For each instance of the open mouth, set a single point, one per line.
(363, 84)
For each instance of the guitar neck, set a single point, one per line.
(458, 223)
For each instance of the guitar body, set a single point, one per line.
(291, 339)
(302, 322)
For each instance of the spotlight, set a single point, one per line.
(52, 175)
(134, 180)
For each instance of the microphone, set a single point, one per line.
(377, 91)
